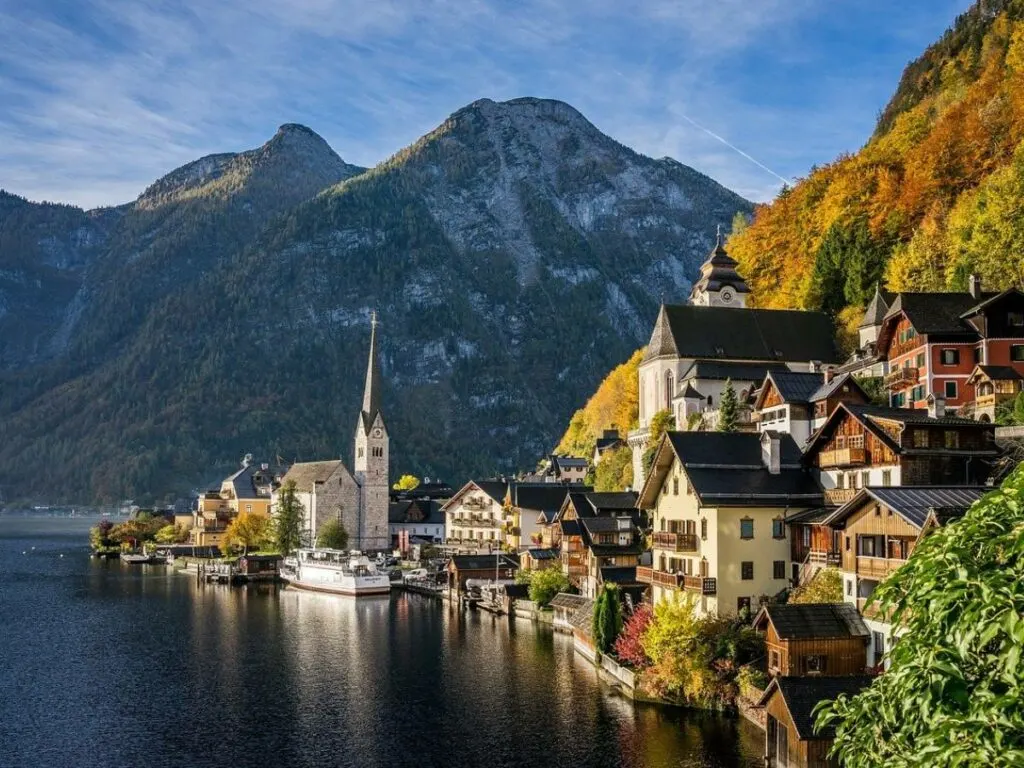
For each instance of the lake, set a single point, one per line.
(111, 665)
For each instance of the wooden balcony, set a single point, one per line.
(821, 557)
(901, 378)
(676, 542)
(644, 575)
(701, 585)
(837, 496)
(842, 457)
(697, 584)
(877, 567)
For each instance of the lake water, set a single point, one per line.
(108, 665)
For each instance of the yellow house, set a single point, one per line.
(718, 505)
(247, 490)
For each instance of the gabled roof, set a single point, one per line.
(915, 503)
(932, 313)
(415, 511)
(829, 388)
(723, 333)
(569, 461)
(307, 474)
(565, 600)
(482, 562)
(994, 373)
(802, 694)
(812, 516)
(583, 618)
(543, 554)
(570, 527)
(812, 620)
(542, 496)
(496, 489)
(792, 386)
(992, 299)
(876, 309)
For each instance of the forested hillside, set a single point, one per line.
(936, 193)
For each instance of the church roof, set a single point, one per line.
(726, 333)
(372, 389)
(876, 309)
(719, 270)
(307, 473)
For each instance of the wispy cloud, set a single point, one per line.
(103, 96)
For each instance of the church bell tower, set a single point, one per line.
(372, 458)
(719, 284)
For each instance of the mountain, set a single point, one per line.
(933, 196)
(514, 254)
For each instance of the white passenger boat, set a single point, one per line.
(336, 572)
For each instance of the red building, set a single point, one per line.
(934, 341)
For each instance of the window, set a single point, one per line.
(779, 569)
(742, 604)
(865, 477)
(878, 641)
(778, 528)
(849, 582)
(1017, 353)
(952, 439)
(919, 362)
(886, 477)
(814, 664)
(775, 661)
(704, 529)
(747, 570)
(805, 536)
(675, 486)
(248, 507)
(951, 357)
(920, 438)
(360, 453)
(847, 543)
(950, 390)
(1015, 319)
(747, 528)
(977, 355)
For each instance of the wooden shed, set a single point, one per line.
(814, 639)
(791, 739)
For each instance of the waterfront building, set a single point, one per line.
(813, 639)
(528, 505)
(791, 738)
(475, 516)
(495, 567)
(717, 328)
(249, 489)
(718, 504)
(564, 607)
(413, 520)
(864, 445)
(358, 498)
(878, 530)
(538, 558)
(579, 562)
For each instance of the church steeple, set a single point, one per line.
(371, 391)
(719, 284)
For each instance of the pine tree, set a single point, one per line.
(288, 520)
(607, 621)
(729, 409)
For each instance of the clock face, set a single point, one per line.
(726, 295)
(377, 432)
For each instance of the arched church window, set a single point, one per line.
(669, 391)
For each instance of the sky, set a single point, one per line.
(99, 98)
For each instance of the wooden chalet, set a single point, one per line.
(995, 387)
(564, 606)
(462, 568)
(538, 558)
(791, 738)
(814, 639)
(863, 445)
(798, 402)
(575, 541)
(813, 544)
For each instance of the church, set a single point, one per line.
(359, 498)
(715, 338)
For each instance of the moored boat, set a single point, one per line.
(335, 572)
(141, 558)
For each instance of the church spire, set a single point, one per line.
(371, 392)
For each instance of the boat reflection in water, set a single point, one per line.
(336, 572)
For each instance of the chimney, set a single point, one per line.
(974, 286)
(829, 374)
(936, 406)
(770, 450)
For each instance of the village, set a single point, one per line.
(776, 486)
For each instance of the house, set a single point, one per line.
(535, 559)
(798, 402)
(574, 540)
(564, 606)
(862, 445)
(462, 568)
(879, 529)
(868, 360)
(717, 327)
(249, 490)
(415, 518)
(995, 388)
(608, 441)
(791, 738)
(701, 386)
(813, 639)
(583, 630)
(813, 543)
(718, 505)
(933, 341)
(612, 545)
(358, 498)
(530, 502)
(475, 516)
(567, 469)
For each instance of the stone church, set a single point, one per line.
(697, 347)
(359, 498)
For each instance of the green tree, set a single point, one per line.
(406, 483)
(332, 535)
(953, 694)
(171, 534)
(288, 519)
(728, 409)
(661, 422)
(248, 531)
(825, 587)
(615, 472)
(546, 583)
(607, 621)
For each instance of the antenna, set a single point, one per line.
(374, 322)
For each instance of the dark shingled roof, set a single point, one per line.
(517, 591)
(716, 370)
(496, 489)
(482, 562)
(874, 314)
(813, 515)
(565, 600)
(584, 617)
(802, 695)
(934, 313)
(730, 449)
(307, 474)
(827, 389)
(570, 527)
(914, 503)
(569, 461)
(542, 496)
(813, 620)
(796, 387)
(770, 335)
(999, 372)
(543, 554)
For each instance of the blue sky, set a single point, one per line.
(98, 98)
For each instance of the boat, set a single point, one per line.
(336, 572)
(141, 558)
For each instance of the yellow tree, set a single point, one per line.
(245, 531)
(406, 483)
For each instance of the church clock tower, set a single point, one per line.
(372, 458)
(719, 284)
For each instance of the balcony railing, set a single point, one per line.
(901, 377)
(644, 575)
(702, 585)
(676, 542)
(842, 457)
(821, 557)
(836, 496)
(877, 567)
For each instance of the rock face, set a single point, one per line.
(514, 254)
